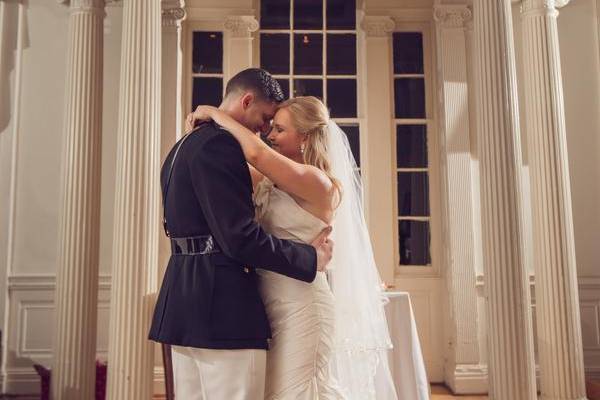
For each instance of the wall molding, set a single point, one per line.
(215, 14)
(46, 282)
(589, 282)
(404, 14)
(24, 307)
(584, 282)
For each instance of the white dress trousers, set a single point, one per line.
(207, 374)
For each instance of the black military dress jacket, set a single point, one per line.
(212, 300)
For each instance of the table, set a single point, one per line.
(406, 359)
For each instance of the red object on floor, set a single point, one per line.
(45, 374)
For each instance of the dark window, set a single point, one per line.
(341, 14)
(408, 53)
(308, 14)
(207, 54)
(411, 146)
(308, 54)
(353, 134)
(275, 14)
(341, 54)
(413, 194)
(308, 87)
(411, 149)
(207, 91)
(409, 96)
(341, 95)
(307, 76)
(414, 240)
(274, 52)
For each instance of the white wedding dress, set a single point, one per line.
(301, 314)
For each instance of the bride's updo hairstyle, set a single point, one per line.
(310, 118)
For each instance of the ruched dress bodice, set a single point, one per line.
(301, 314)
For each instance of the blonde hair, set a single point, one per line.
(310, 117)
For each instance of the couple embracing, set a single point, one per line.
(256, 301)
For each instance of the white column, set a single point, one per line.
(173, 14)
(172, 100)
(463, 346)
(557, 302)
(73, 372)
(238, 51)
(378, 168)
(510, 341)
(135, 248)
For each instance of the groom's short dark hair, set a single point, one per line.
(257, 80)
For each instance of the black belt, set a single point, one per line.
(194, 245)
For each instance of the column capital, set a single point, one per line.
(544, 6)
(241, 26)
(94, 6)
(452, 16)
(378, 26)
(172, 12)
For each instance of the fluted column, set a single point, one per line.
(510, 342)
(135, 248)
(463, 346)
(557, 302)
(73, 373)
(238, 34)
(379, 197)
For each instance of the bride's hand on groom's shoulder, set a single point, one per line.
(200, 114)
(324, 247)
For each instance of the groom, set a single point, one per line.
(209, 308)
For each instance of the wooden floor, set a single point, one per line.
(441, 393)
(438, 392)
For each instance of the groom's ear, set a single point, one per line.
(247, 99)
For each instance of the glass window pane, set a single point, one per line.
(414, 239)
(308, 14)
(411, 146)
(341, 97)
(285, 87)
(207, 55)
(341, 54)
(207, 91)
(308, 87)
(408, 53)
(413, 194)
(275, 14)
(409, 96)
(308, 54)
(341, 14)
(275, 52)
(353, 134)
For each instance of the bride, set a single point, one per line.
(330, 337)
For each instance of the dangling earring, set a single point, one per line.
(302, 147)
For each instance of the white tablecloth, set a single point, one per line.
(406, 360)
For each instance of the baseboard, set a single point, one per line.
(26, 382)
(22, 381)
(467, 379)
(592, 373)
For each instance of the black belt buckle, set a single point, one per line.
(200, 245)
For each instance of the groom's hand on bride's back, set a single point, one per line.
(324, 247)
